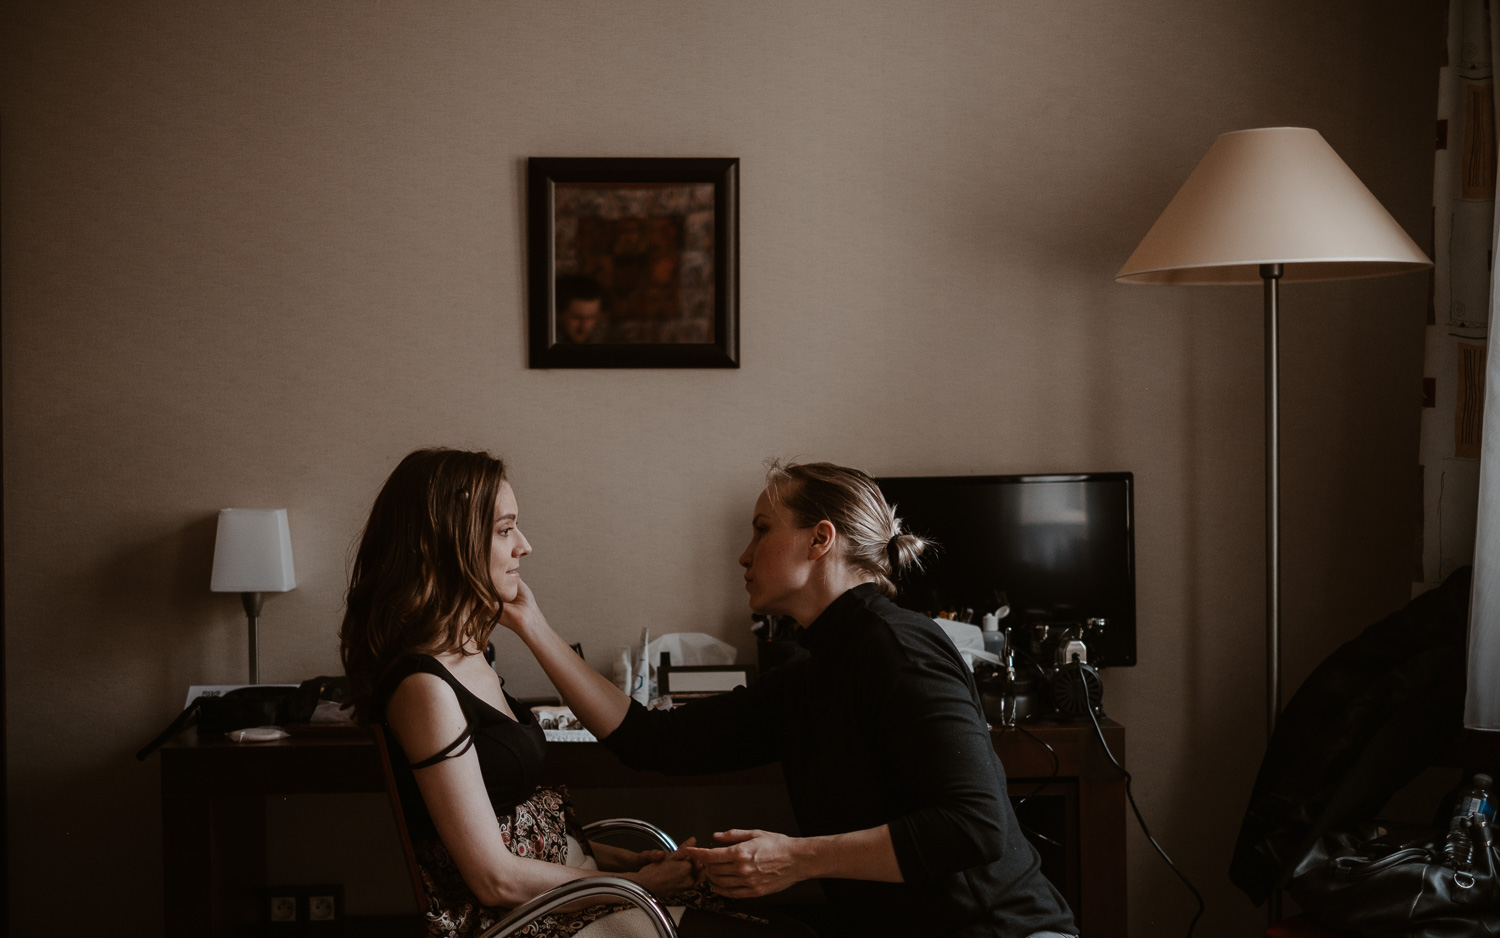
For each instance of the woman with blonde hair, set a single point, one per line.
(897, 790)
(438, 561)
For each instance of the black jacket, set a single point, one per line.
(880, 724)
(1369, 719)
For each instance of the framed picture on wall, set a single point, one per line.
(633, 263)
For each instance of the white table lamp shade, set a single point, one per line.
(1274, 195)
(253, 552)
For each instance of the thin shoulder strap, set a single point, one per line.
(465, 739)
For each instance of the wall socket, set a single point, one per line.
(283, 909)
(322, 908)
(313, 911)
(283, 913)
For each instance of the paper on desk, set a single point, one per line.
(219, 690)
(331, 711)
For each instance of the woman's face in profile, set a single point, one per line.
(507, 545)
(776, 563)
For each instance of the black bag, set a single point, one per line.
(1356, 880)
(253, 706)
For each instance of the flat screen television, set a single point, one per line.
(1061, 548)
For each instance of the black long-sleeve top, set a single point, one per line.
(880, 724)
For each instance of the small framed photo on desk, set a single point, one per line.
(702, 680)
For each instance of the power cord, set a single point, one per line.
(1016, 726)
(1099, 732)
(1056, 763)
(1056, 768)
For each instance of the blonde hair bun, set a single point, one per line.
(850, 500)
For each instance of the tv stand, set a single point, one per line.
(1086, 814)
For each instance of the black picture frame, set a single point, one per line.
(698, 337)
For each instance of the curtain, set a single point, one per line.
(1482, 709)
(1460, 443)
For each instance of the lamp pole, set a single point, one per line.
(1271, 274)
(252, 603)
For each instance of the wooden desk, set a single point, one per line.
(214, 811)
(214, 817)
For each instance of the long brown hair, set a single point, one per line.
(421, 579)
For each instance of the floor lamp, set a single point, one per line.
(1263, 206)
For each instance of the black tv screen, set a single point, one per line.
(1061, 548)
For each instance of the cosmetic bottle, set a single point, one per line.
(623, 671)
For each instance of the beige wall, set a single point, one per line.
(255, 252)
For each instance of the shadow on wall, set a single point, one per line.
(163, 631)
(171, 631)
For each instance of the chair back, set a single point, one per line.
(382, 746)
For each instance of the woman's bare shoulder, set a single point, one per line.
(421, 689)
(424, 713)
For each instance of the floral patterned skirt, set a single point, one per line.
(539, 828)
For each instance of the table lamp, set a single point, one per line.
(1267, 205)
(253, 556)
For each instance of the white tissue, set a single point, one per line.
(969, 640)
(688, 648)
(965, 636)
(972, 655)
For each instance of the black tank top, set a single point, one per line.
(511, 752)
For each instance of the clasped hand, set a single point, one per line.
(663, 874)
(757, 863)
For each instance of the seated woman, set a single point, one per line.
(898, 792)
(439, 558)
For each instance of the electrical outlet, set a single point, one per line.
(324, 907)
(321, 909)
(283, 909)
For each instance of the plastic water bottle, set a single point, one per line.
(1473, 802)
(1476, 799)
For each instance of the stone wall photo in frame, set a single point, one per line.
(633, 262)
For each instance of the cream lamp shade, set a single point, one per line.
(253, 552)
(1273, 195)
